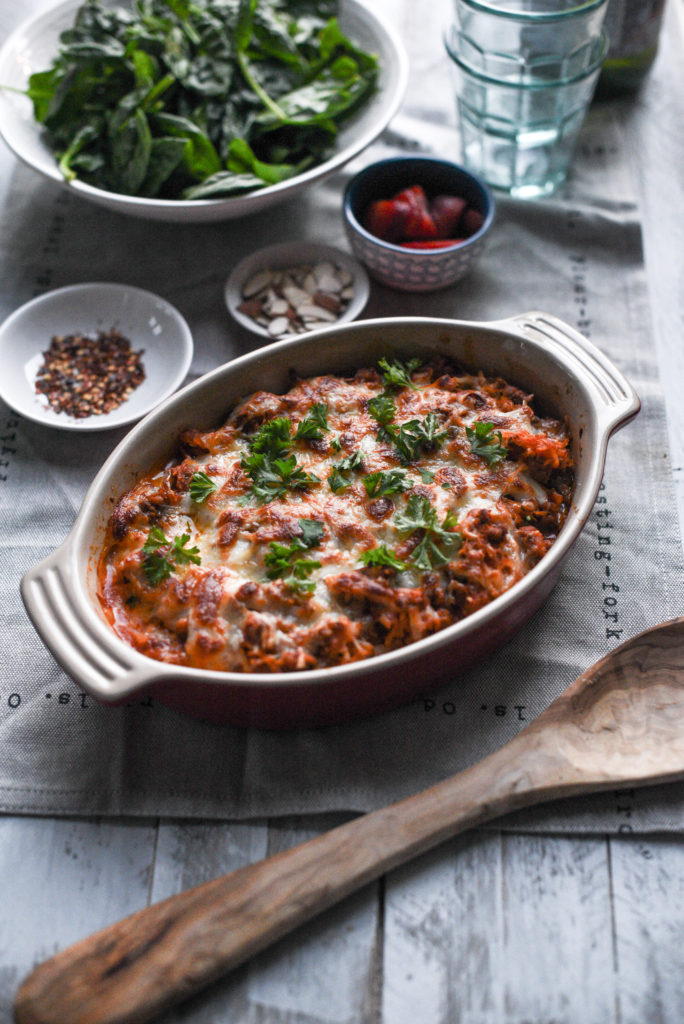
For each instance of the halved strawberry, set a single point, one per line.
(387, 219)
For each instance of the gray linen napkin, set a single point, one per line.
(578, 256)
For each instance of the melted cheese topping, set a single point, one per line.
(225, 607)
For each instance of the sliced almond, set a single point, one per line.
(313, 312)
(256, 283)
(279, 325)
(328, 300)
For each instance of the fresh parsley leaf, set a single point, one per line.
(383, 408)
(156, 567)
(281, 564)
(312, 532)
(382, 555)
(314, 424)
(412, 438)
(273, 478)
(391, 481)
(155, 539)
(487, 443)
(182, 555)
(296, 478)
(438, 542)
(201, 486)
(157, 564)
(339, 478)
(426, 475)
(277, 558)
(273, 438)
(270, 464)
(398, 374)
(298, 578)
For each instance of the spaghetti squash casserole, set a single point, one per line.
(348, 517)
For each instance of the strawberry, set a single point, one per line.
(420, 224)
(432, 243)
(472, 221)
(387, 219)
(446, 213)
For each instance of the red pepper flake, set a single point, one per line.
(83, 376)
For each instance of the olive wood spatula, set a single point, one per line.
(619, 724)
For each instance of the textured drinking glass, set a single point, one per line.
(520, 135)
(527, 39)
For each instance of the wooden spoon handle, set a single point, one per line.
(132, 970)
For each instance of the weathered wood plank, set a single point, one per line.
(558, 948)
(648, 896)
(62, 880)
(476, 931)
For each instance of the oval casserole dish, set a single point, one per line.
(569, 377)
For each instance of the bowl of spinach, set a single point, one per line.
(196, 110)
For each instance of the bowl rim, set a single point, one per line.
(419, 161)
(282, 255)
(74, 555)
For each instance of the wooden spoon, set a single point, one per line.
(620, 724)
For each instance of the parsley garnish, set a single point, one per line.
(382, 555)
(410, 438)
(382, 408)
(486, 443)
(314, 424)
(157, 564)
(281, 564)
(391, 481)
(270, 464)
(438, 542)
(201, 486)
(183, 555)
(339, 478)
(273, 438)
(273, 478)
(397, 374)
(413, 437)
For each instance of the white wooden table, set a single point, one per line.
(489, 929)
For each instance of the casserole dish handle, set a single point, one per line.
(83, 646)
(618, 401)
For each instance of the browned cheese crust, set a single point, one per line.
(346, 518)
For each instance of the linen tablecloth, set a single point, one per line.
(578, 256)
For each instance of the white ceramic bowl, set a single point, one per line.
(292, 254)
(32, 47)
(569, 377)
(148, 321)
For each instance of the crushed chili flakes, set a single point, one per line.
(83, 376)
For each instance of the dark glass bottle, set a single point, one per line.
(633, 27)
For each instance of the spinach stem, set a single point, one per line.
(261, 93)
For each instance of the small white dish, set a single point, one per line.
(34, 44)
(150, 323)
(286, 256)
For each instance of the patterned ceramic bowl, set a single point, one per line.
(428, 267)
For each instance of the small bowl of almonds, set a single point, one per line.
(296, 287)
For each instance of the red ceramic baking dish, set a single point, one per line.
(569, 377)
